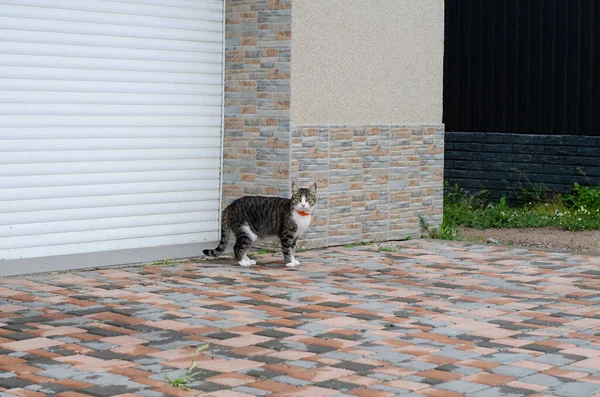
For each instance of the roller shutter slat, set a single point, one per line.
(49, 192)
(107, 201)
(108, 155)
(32, 229)
(93, 167)
(15, 145)
(108, 245)
(56, 14)
(108, 121)
(112, 76)
(108, 212)
(145, 133)
(107, 110)
(8, 182)
(93, 41)
(107, 53)
(112, 7)
(98, 87)
(39, 97)
(42, 25)
(103, 235)
(215, 5)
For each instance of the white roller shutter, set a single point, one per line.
(110, 124)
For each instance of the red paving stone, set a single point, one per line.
(432, 318)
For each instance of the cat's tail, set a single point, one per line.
(224, 239)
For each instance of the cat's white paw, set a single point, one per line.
(250, 261)
(245, 263)
(296, 261)
(290, 264)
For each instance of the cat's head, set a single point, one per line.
(304, 199)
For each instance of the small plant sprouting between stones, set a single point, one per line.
(389, 248)
(360, 244)
(443, 232)
(264, 251)
(165, 262)
(189, 374)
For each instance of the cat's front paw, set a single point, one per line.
(296, 261)
(291, 264)
(246, 263)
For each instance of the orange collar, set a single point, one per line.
(302, 213)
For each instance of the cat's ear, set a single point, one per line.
(313, 188)
(294, 188)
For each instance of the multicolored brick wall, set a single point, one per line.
(256, 147)
(374, 182)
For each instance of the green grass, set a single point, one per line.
(360, 244)
(389, 248)
(189, 374)
(166, 262)
(264, 251)
(579, 210)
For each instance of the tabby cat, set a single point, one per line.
(254, 217)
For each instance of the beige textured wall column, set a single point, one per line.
(367, 62)
(366, 115)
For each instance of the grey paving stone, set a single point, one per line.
(251, 390)
(105, 379)
(553, 359)
(501, 391)
(510, 370)
(381, 376)
(336, 355)
(389, 389)
(206, 387)
(290, 381)
(460, 386)
(579, 389)
(579, 369)
(449, 331)
(391, 357)
(63, 371)
(354, 366)
(418, 365)
(459, 369)
(304, 364)
(505, 357)
(336, 385)
(260, 373)
(13, 382)
(150, 393)
(541, 379)
(318, 349)
(108, 390)
(457, 354)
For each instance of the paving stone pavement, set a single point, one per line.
(431, 318)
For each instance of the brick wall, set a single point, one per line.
(256, 147)
(503, 163)
(374, 182)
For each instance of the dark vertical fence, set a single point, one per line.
(522, 66)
